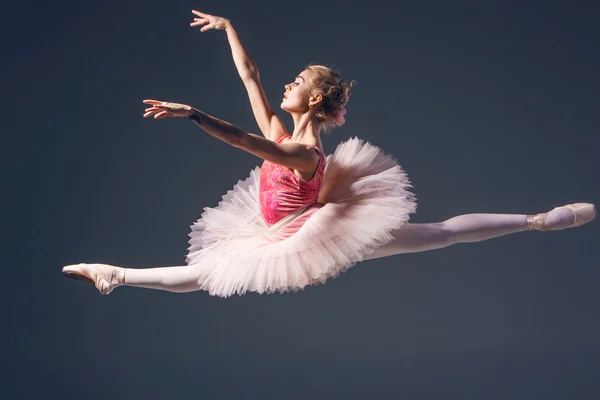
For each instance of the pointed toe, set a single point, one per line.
(105, 277)
(584, 213)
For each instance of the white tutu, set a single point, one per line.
(366, 196)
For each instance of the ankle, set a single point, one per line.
(536, 222)
(118, 276)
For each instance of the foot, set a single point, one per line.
(569, 216)
(105, 277)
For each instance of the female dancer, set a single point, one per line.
(303, 217)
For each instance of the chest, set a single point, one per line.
(275, 176)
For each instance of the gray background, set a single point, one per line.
(490, 106)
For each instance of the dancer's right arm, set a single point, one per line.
(269, 124)
(292, 155)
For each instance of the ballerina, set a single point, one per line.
(303, 217)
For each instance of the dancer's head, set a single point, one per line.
(319, 91)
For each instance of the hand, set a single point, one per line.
(214, 22)
(162, 109)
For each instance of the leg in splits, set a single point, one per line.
(177, 279)
(466, 228)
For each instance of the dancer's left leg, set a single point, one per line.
(180, 279)
(177, 279)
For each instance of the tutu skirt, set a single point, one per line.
(364, 196)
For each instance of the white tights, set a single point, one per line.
(412, 238)
(409, 238)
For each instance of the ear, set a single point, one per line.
(314, 100)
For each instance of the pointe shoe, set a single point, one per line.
(583, 212)
(105, 277)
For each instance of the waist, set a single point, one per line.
(289, 218)
(276, 204)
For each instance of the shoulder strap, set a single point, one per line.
(280, 138)
(321, 154)
(321, 164)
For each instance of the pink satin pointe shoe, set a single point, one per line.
(105, 277)
(583, 212)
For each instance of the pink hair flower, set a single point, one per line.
(339, 116)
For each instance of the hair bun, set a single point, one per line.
(335, 92)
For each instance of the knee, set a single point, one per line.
(421, 237)
(185, 280)
(447, 232)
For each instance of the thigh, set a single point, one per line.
(411, 238)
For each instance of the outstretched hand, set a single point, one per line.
(211, 21)
(161, 109)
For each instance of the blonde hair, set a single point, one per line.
(335, 91)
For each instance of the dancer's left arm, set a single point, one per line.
(291, 155)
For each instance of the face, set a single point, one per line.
(297, 94)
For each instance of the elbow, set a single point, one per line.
(240, 140)
(250, 72)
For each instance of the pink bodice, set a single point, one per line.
(282, 192)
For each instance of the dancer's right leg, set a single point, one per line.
(471, 228)
(411, 238)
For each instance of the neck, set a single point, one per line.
(307, 129)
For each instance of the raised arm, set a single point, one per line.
(269, 124)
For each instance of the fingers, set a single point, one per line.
(157, 114)
(198, 21)
(160, 109)
(149, 113)
(206, 28)
(198, 13)
(161, 114)
(154, 110)
(153, 102)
